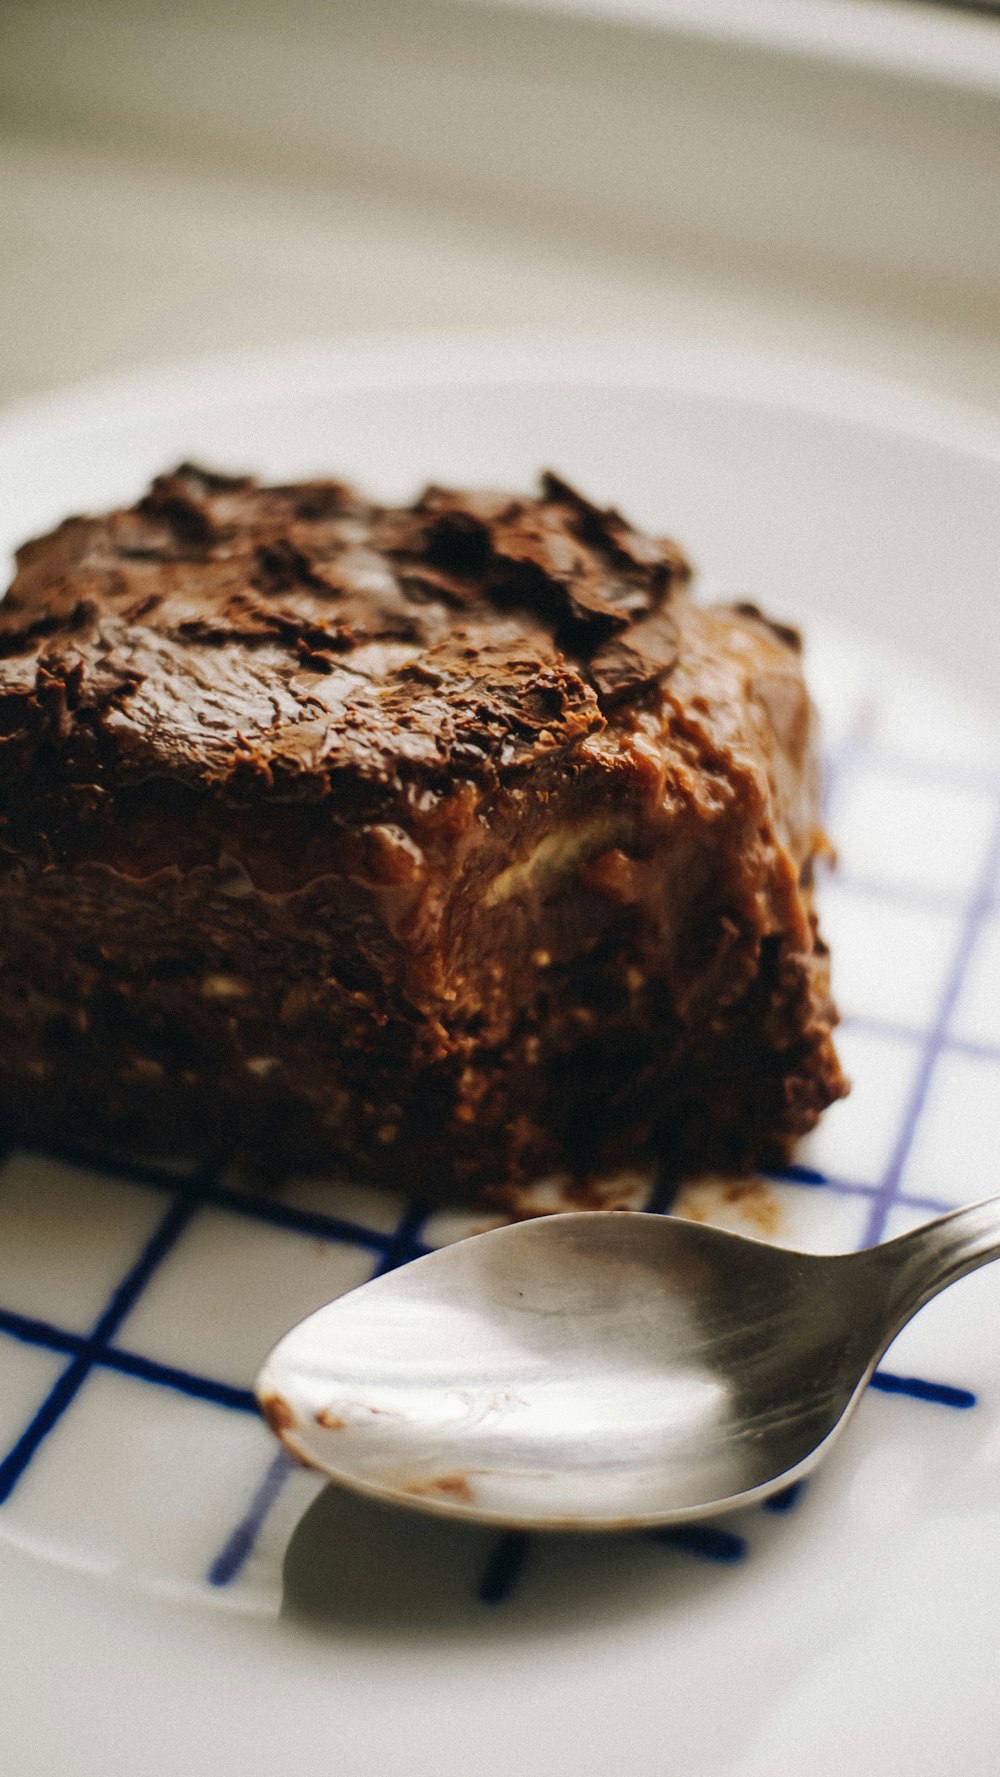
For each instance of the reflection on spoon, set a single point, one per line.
(601, 1371)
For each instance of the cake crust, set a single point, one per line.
(450, 844)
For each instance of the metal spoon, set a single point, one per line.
(602, 1371)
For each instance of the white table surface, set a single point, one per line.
(185, 180)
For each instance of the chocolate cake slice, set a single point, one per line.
(450, 845)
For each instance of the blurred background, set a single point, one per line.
(817, 176)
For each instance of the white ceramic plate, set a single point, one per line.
(176, 1599)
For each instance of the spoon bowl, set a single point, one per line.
(600, 1371)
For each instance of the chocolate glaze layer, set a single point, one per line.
(451, 843)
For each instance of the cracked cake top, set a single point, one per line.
(243, 638)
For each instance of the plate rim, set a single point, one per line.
(420, 358)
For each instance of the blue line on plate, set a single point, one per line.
(201, 1388)
(128, 1363)
(404, 1243)
(704, 1540)
(39, 1332)
(943, 1394)
(235, 1551)
(504, 1567)
(787, 1499)
(976, 913)
(67, 1386)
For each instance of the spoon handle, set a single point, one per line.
(929, 1258)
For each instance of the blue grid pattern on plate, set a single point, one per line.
(98, 1349)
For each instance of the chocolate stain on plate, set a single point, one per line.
(753, 1199)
